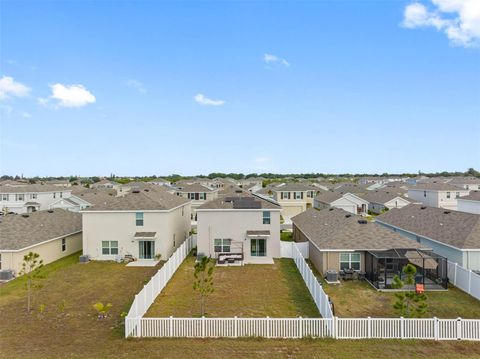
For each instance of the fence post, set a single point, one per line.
(335, 327)
(139, 327)
(435, 328)
(455, 275)
(369, 327)
(300, 329)
(236, 327)
(402, 328)
(170, 324)
(203, 326)
(459, 328)
(268, 326)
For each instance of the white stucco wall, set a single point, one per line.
(121, 226)
(468, 206)
(234, 224)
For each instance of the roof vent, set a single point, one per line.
(146, 190)
(362, 221)
(348, 215)
(50, 211)
(331, 209)
(135, 191)
(446, 212)
(423, 207)
(25, 215)
(238, 191)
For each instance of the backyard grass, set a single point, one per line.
(74, 332)
(253, 290)
(286, 236)
(357, 299)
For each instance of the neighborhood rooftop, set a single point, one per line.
(454, 228)
(32, 188)
(382, 196)
(241, 200)
(21, 231)
(435, 186)
(331, 229)
(147, 199)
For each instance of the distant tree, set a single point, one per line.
(409, 304)
(203, 282)
(95, 179)
(30, 269)
(472, 172)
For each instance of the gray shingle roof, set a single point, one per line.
(227, 201)
(152, 199)
(18, 232)
(195, 187)
(435, 186)
(473, 196)
(337, 229)
(457, 229)
(381, 197)
(328, 196)
(294, 187)
(350, 188)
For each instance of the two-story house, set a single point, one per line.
(31, 198)
(239, 228)
(143, 224)
(294, 198)
(198, 194)
(441, 195)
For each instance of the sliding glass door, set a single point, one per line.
(258, 247)
(146, 249)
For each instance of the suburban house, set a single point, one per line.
(379, 201)
(145, 225)
(469, 183)
(104, 183)
(52, 234)
(437, 194)
(349, 187)
(294, 198)
(83, 198)
(452, 234)
(349, 202)
(239, 228)
(470, 203)
(59, 183)
(198, 194)
(340, 242)
(31, 197)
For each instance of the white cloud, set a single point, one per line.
(458, 19)
(11, 88)
(68, 96)
(203, 100)
(137, 85)
(26, 114)
(272, 59)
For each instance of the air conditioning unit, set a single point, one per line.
(332, 276)
(84, 258)
(6, 274)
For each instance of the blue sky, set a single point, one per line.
(142, 88)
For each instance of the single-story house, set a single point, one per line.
(239, 228)
(470, 203)
(379, 201)
(349, 202)
(339, 240)
(52, 234)
(452, 234)
(143, 224)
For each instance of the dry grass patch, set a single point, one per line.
(254, 290)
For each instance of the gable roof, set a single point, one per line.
(328, 196)
(33, 188)
(149, 199)
(19, 232)
(454, 228)
(294, 187)
(473, 196)
(336, 229)
(435, 186)
(381, 197)
(238, 199)
(195, 187)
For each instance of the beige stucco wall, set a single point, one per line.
(325, 261)
(121, 227)
(48, 251)
(233, 224)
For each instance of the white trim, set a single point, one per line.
(40, 243)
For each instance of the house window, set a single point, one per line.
(64, 244)
(457, 195)
(20, 197)
(54, 195)
(61, 194)
(222, 245)
(183, 211)
(266, 217)
(0, 260)
(109, 247)
(298, 195)
(310, 194)
(203, 196)
(350, 261)
(33, 196)
(285, 195)
(424, 193)
(258, 247)
(139, 219)
(448, 194)
(4, 197)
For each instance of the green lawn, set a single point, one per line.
(359, 299)
(286, 236)
(253, 290)
(75, 332)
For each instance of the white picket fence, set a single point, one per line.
(319, 296)
(328, 326)
(464, 279)
(152, 289)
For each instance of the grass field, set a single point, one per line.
(357, 299)
(75, 332)
(249, 291)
